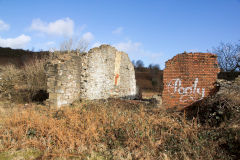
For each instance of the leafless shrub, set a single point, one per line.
(228, 56)
(22, 84)
(9, 78)
(77, 46)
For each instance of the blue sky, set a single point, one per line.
(151, 30)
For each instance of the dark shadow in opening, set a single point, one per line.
(40, 96)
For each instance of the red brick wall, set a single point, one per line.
(187, 78)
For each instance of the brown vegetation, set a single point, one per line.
(146, 82)
(23, 85)
(115, 129)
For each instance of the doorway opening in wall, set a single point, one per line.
(40, 96)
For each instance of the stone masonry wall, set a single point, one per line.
(101, 73)
(187, 78)
(63, 80)
(109, 73)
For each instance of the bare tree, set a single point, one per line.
(82, 46)
(150, 66)
(139, 64)
(228, 56)
(69, 45)
(156, 67)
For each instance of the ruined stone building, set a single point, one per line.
(101, 73)
(104, 73)
(189, 77)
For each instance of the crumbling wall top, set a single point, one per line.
(189, 77)
(101, 73)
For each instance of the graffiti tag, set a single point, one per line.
(187, 93)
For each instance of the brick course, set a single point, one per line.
(187, 78)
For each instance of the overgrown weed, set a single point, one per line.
(114, 129)
(23, 84)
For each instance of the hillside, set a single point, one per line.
(18, 57)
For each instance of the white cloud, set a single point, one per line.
(128, 46)
(61, 27)
(88, 37)
(4, 26)
(18, 42)
(97, 44)
(118, 30)
(136, 51)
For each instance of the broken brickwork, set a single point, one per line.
(103, 72)
(187, 78)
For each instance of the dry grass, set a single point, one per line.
(112, 129)
(233, 97)
(21, 85)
